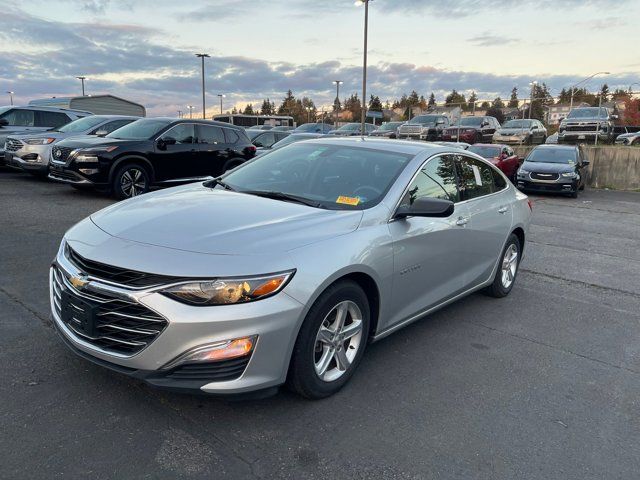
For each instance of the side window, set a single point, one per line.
(20, 118)
(230, 135)
(476, 178)
(111, 126)
(436, 179)
(210, 135)
(51, 119)
(498, 181)
(182, 134)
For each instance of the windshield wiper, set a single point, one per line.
(284, 196)
(217, 181)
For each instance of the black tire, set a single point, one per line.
(498, 289)
(477, 139)
(136, 172)
(574, 193)
(302, 377)
(231, 164)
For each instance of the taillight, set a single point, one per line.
(530, 203)
(252, 149)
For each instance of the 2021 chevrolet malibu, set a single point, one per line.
(282, 270)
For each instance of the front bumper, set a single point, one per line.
(510, 139)
(467, 137)
(28, 159)
(275, 321)
(576, 136)
(559, 186)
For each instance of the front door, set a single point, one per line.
(175, 154)
(428, 251)
(490, 216)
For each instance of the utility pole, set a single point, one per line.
(190, 107)
(82, 79)
(11, 96)
(363, 114)
(202, 56)
(221, 96)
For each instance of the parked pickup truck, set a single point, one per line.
(584, 124)
(424, 127)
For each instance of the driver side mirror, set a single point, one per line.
(3, 122)
(163, 142)
(426, 207)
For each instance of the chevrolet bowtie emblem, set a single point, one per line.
(79, 281)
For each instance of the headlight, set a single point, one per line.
(90, 155)
(569, 174)
(225, 291)
(522, 171)
(39, 141)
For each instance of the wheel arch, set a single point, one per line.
(519, 232)
(132, 159)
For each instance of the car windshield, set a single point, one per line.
(389, 126)
(142, 129)
(293, 138)
(309, 127)
(253, 132)
(81, 125)
(350, 127)
(486, 151)
(517, 124)
(4, 109)
(335, 177)
(594, 112)
(424, 120)
(552, 155)
(471, 121)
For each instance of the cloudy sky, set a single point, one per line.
(144, 49)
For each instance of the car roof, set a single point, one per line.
(200, 121)
(397, 146)
(487, 145)
(547, 146)
(47, 109)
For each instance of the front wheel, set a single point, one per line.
(130, 180)
(331, 341)
(507, 269)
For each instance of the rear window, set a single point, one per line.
(485, 151)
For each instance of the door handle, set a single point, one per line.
(503, 210)
(461, 221)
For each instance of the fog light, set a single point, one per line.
(216, 352)
(88, 171)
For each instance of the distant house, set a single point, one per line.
(96, 104)
(557, 112)
(511, 113)
(454, 113)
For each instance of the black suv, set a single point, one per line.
(150, 151)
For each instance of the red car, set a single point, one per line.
(501, 156)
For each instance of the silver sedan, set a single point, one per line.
(284, 269)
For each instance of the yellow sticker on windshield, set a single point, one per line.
(348, 200)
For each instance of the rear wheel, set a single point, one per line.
(130, 180)
(331, 341)
(507, 269)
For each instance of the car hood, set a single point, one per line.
(199, 219)
(89, 141)
(548, 167)
(585, 120)
(512, 130)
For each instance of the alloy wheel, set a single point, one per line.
(133, 182)
(509, 266)
(338, 341)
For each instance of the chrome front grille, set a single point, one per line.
(544, 176)
(410, 129)
(108, 322)
(13, 145)
(60, 154)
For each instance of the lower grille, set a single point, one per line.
(13, 145)
(213, 371)
(64, 175)
(581, 128)
(545, 176)
(106, 322)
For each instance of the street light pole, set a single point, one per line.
(221, 96)
(190, 107)
(363, 113)
(202, 56)
(337, 102)
(82, 79)
(11, 96)
(533, 84)
(573, 88)
(179, 113)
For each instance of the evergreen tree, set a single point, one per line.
(432, 100)
(513, 100)
(248, 110)
(455, 99)
(375, 104)
(473, 98)
(604, 93)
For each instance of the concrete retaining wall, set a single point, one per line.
(610, 166)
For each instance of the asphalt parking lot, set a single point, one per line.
(544, 384)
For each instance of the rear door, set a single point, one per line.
(176, 156)
(212, 150)
(488, 199)
(429, 253)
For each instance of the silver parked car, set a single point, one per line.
(284, 269)
(524, 131)
(628, 139)
(32, 152)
